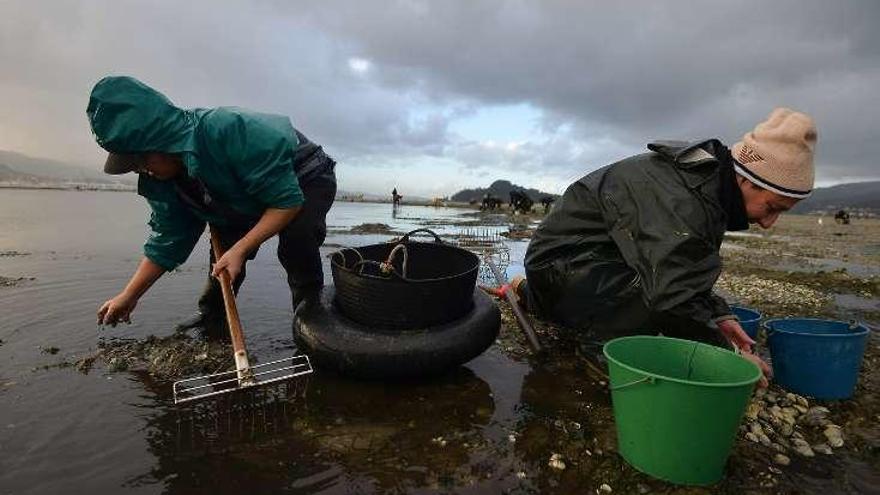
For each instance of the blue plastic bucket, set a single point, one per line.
(749, 319)
(819, 358)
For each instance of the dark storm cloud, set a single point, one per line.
(641, 69)
(199, 54)
(605, 76)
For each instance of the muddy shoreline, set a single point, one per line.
(751, 277)
(565, 440)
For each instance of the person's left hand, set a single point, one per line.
(734, 333)
(766, 370)
(231, 261)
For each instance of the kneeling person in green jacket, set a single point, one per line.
(249, 175)
(634, 247)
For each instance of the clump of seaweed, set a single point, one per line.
(169, 358)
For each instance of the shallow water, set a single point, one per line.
(489, 426)
(64, 431)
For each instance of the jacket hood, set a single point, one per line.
(127, 116)
(684, 152)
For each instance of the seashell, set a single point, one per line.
(556, 462)
(823, 448)
(786, 430)
(756, 429)
(834, 435)
(802, 447)
(781, 459)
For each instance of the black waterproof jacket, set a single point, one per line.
(634, 246)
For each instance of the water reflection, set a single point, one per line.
(140, 445)
(563, 412)
(328, 434)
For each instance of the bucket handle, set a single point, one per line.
(649, 379)
(405, 237)
(852, 325)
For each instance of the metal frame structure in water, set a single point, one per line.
(190, 389)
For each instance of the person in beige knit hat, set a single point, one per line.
(774, 164)
(634, 247)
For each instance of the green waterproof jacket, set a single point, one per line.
(244, 158)
(647, 229)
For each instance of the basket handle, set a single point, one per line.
(388, 265)
(405, 238)
(386, 270)
(359, 267)
(344, 260)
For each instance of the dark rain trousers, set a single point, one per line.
(298, 251)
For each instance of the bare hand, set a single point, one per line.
(498, 292)
(117, 310)
(734, 333)
(231, 261)
(766, 370)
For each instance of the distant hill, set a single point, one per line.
(500, 189)
(853, 196)
(46, 170)
(7, 174)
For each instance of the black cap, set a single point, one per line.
(123, 163)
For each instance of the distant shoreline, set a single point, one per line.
(347, 198)
(71, 187)
(422, 202)
(126, 188)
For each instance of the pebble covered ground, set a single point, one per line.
(787, 443)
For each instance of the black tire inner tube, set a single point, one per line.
(336, 342)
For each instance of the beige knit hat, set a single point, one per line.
(778, 154)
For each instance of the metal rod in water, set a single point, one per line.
(520, 317)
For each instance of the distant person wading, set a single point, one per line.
(249, 175)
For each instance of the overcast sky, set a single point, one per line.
(435, 96)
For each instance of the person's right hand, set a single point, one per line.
(117, 309)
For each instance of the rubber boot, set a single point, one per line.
(589, 347)
(210, 319)
(305, 299)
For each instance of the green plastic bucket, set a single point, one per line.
(677, 405)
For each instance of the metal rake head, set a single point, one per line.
(203, 387)
(252, 415)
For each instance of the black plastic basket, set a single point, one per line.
(406, 284)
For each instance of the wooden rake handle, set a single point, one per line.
(238, 346)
